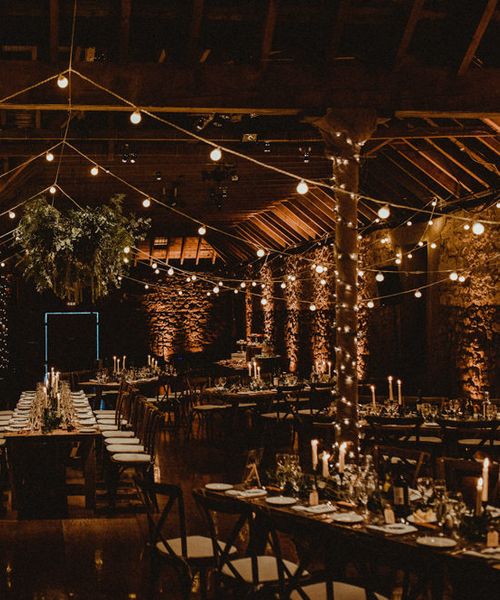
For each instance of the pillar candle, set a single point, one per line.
(374, 397)
(400, 397)
(342, 450)
(391, 395)
(324, 458)
(314, 454)
(479, 495)
(484, 477)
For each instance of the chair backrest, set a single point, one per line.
(484, 431)
(321, 395)
(413, 462)
(394, 430)
(157, 518)
(241, 515)
(462, 475)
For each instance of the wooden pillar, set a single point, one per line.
(344, 132)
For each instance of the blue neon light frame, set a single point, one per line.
(46, 332)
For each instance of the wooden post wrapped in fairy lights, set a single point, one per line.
(344, 133)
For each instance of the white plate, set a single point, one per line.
(399, 528)
(254, 493)
(87, 421)
(320, 509)
(218, 487)
(281, 500)
(436, 541)
(88, 429)
(413, 519)
(414, 495)
(348, 517)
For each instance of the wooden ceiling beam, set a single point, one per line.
(197, 10)
(268, 30)
(124, 36)
(266, 239)
(198, 248)
(315, 225)
(459, 163)
(281, 89)
(476, 156)
(409, 30)
(290, 217)
(281, 225)
(278, 235)
(54, 30)
(487, 14)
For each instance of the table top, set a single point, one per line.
(394, 543)
(116, 384)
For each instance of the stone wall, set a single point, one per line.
(191, 322)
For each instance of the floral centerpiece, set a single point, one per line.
(81, 249)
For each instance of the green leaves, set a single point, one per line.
(82, 249)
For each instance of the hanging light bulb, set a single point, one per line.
(146, 287)
(2, 264)
(461, 278)
(157, 271)
(409, 223)
(180, 292)
(293, 278)
(261, 252)
(125, 260)
(418, 294)
(322, 281)
(202, 230)
(154, 265)
(188, 279)
(379, 276)
(320, 269)
(312, 307)
(283, 285)
(263, 301)
(209, 293)
(126, 249)
(430, 222)
(170, 271)
(194, 277)
(136, 117)
(49, 157)
(302, 187)
(62, 81)
(420, 243)
(370, 304)
(243, 285)
(12, 214)
(477, 228)
(236, 291)
(433, 245)
(216, 154)
(254, 284)
(384, 212)
(409, 255)
(453, 275)
(146, 202)
(397, 261)
(216, 289)
(94, 170)
(466, 226)
(52, 189)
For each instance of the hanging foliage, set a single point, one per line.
(81, 249)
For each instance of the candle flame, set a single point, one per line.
(486, 463)
(480, 483)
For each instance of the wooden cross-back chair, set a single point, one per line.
(415, 463)
(462, 475)
(466, 437)
(393, 431)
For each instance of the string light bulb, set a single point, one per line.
(433, 245)
(312, 307)
(146, 287)
(136, 117)
(202, 230)
(283, 285)
(157, 271)
(49, 157)
(466, 226)
(180, 292)
(302, 187)
(126, 250)
(52, 189)
(62, 81)
(146, 202)
(216, 154)
(216, 289)
(370, 304)
(94, 170)
(154, 265)
(477, 228)
(379, 276)
(453, 275)
(243, 285)
(418, 294)
(170, 271)
(263, 301)
(409, 223)
(320, 269)
(384, 212)
(12, 214)
(261, 252)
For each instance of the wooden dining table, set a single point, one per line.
(470, 577)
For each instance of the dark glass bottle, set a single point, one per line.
(400, 492)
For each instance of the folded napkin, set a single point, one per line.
(391, 530)
(488, 554)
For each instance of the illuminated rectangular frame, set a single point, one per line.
(46, 332)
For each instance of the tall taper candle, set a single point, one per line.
(485, 478)
(314, 454)
(400, 396)
(324, 459)
(374, 397)
(391, 394)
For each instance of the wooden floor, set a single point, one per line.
(102, 556)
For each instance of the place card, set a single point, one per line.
(389, 516)
(492, 539)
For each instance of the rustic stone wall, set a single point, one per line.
(191, 322)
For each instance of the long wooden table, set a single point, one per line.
(469, 577)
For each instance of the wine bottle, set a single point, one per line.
(401, 496)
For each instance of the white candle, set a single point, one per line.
(374, 397)
(323, 367)
(342, 451)
(314, 453)
(479, 496)
(391, 395)
(255, 368)
(124, 359)
(324, 459)
(149, 360)
(484, 477)
(117, 365)
(249, 369)
(400, 397)
(258, 372)
(329, 368)
(114, 364)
